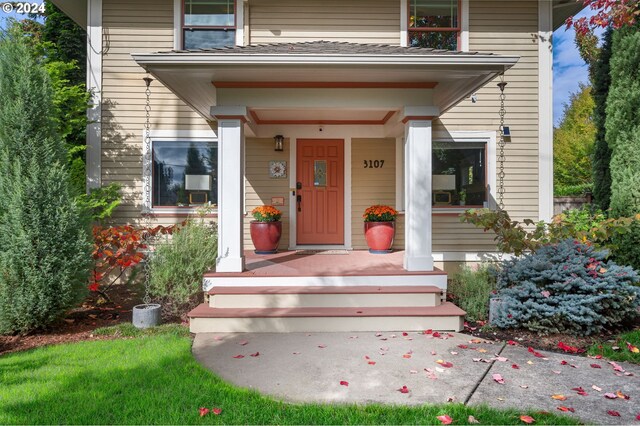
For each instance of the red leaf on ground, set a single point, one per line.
(344, 383)
(403, 389)
(515, 366)
(613, 413)
(239, 356)
(436, 334)
(638, 417)
(632, 348)
(322, 346)
(429, 331)
(444, 364)
(243, 343)
(255, 355)
(567, 348)
(559, 397)
(217, 411)
(621, 395)
(511, 343)
(445, 420)
(595, 366)
(563, 408)
(463, 346)
(527, 419)
(404, 333)
(371, 363)
(563, 362)
(610, 395)
(498, 378)
(536, 354)
(203, 411)
(616, 366)
(366, 357)
(406, 356)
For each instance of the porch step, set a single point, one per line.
(324, 297)
(445, 317)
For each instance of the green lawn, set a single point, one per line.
(155, 380)
(623, 353)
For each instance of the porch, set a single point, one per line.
(334, 290)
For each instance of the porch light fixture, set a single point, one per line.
(279, 140)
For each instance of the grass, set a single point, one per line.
(623, 353)
(470, 290)
(155, 380)
(129, 330)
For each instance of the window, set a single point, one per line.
(208, 23)
(434, 23)
(184, 173)
(459, 174)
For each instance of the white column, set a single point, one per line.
(230, 195)
(94, 84)
(545, 110)
(417, 182)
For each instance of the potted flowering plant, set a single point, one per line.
(379, 228)
(266, 229)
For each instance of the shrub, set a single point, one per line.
(560, 190)
(583, 219)
(566, 287)
(44, 243)
(625, 248)
(471, 289)
(100, 203)
(177, 267)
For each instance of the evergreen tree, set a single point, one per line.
(44, 245)
(573, 142)
(623, 122)
(70, 40)
(601, 80)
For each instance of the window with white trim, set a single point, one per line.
(184, 173)
(434, 24)
(208, 23)
(459, 174)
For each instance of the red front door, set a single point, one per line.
(320, 193)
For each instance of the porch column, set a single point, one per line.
(230, 188)
(417, 182)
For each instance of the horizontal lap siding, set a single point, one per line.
(135, 27)
(503, 27)
(356, 21)
(260, 188)
(371, 186)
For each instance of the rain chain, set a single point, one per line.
(501, 144)
(146, 235)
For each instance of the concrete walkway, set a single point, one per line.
(309, 367)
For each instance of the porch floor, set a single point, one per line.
(355, 263)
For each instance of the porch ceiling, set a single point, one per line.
(206, 78)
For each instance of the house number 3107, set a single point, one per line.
(373, 164)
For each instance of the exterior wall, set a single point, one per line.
(135, 26)
(259, 187)
(356, 21)
(502, 27)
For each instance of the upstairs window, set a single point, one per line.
(208, 23)
(434, 23)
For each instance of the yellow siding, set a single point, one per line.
(128, 27)
(370, 185)
(259, 187)
(356, 21)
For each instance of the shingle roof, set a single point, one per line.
(326, 48)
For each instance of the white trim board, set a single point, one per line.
(545, 110)
(94, 85)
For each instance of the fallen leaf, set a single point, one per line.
(632, 348)
(243, 343)
(559, 397)
(580, 391)
(464, 347)
(621, 395)
(403, 389)
(482, 351)
(407, 356)
(255, 354)
(445, 420)
(500, 398)
(616, 366)
(567, 348)
(498, 378)
(451, 399)
(530, 362)
(511, 343)
(515, 366)
(436, 334)
(429, 331)
(393, 336)
(430, 374)
(536, 354)
(217, 411)
(472, 420)
(610, 395)
(296, 353)
(413, 371)
(527, 419)
(524, 386)
(594, 387)
(563, 408)
(203, 411)
(440, 370)
(343, 383)
(433, 353)
(557, 371)
(378, 334)
(500, 359)
(404, 333)
(445, 364)
(638, 417)
(545, 293)
(239, 356)
(371, 363)
(613, 413)
(322, 346)
(453, 353)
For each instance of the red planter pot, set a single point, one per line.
(379, 236)
(266, 236)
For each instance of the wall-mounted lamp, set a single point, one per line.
(279, 140)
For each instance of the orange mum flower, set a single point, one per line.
(380, 213)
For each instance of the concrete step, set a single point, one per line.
(324, 297)
(444, 317)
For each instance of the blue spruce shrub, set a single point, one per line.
(567, 287)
